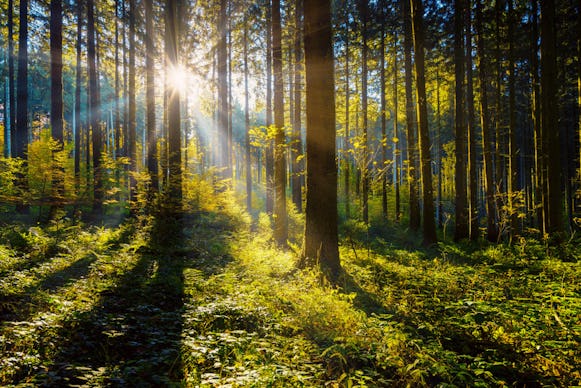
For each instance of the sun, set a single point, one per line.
(178, 79)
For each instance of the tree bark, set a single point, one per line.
(247, 121)
(297, 146)
(383, 115)
(487, 145)
(512, 186)
(461, 206)
(21, 133)
(414, 207)
(150, 97)
(366, 163)
(396, 151)
(549, 122)
(94, 109)
(131, 124)
(321, 240)
(56, 98)
(280, 219)
(472, 149)
(269, 152)
(11, 95)
(223, 91)
(429, 224)
(77, 113)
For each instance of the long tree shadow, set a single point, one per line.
(22, 305)
(132, 336)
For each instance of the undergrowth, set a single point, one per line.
(222, 306)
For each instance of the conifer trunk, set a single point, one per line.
(280, 219)
(429, 224)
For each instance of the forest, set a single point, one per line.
(290, 193)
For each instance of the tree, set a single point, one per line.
(131, 124)
(511, 183)
(487, 146)
(56, 94)
(21, 133)
(94, 109)
(383, 115)
(363, 12)
(172, 33)
(269, 152)
(297, 146)
(549, 122)
(77, 113)
(414, 208)
(321, 241)
(150, 97)
(461, 211)
(280, 219)
(222, 65)
(396, 151)
(11, 99)
(247, 119)
(429, 225)
(470, 121)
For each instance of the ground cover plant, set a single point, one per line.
(107, 306)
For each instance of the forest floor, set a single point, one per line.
(85, 305)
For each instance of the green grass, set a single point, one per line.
(222, 306)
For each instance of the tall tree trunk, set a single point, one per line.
(297, 146)
(94, 109)
(77, 113)
(280, 220)
(247, 121)
(223, 91)
(131, 127)
(321, 240)
(414, 208)
(429, 225)
(150, 96)
(512, 187)
(578, 95)
(440, 208)
(56, 97)
(549, 122)
(472, 157)
(461, 206)
(347, 182)
(499, 131)
(383, 116)
(396, 151)
(21, 134)
(269, 151)
(172, 32)
(540, 178)
(487, 145)
(117, 118)
(366, 163)
(11, 95)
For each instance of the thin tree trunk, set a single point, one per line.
(347, 181)
(540, 181)
(499, 135)
(131, 127)
(512, 186)
(297, 146)
(414, 210)
(56, 98)
(150, 97)
(94, 109)
(472, 157)
(383, 116)
(366, 163)
(223, 91)
(247, 121)
(77, 113)
(396, 151)
(21, 134)
(487, 147)
(321, 237)
(429, 225)
(269, 152)
(280, 219)
(11, 94)
(461, 206)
